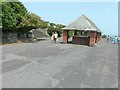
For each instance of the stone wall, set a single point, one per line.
(37, 33)
(8, 37)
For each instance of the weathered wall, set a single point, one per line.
(39, 33)
(65, 36)
(97, 38)
(80, 40)
(92, 38)
(8, 37)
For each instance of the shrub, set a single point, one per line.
(104, 36)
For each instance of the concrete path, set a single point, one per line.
(55, 65)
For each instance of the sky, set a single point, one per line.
(103, 14)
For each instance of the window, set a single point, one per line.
(80, 33)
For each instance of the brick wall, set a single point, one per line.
(80, 40)
(92, 38)
(97, 38)
(65, 36)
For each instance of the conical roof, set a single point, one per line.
(82, 23)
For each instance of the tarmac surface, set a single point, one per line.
(55, 65)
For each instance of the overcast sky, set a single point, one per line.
(103, 14)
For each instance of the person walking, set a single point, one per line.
(108, 38)
(53, 37)
(56, 36)
(115, 39)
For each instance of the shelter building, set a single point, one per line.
(84, 31)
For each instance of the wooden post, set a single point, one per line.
(92, 38)
(65, 36)
(75, 33)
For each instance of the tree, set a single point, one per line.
(104, 36)
(16, 18)
(31, 21)
(52, 24)
(0, 14)
(12, 13)
(44, 24)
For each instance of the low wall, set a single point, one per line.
(38, 33)
(9, 37)
(82, 40)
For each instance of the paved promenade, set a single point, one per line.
(48, 65)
